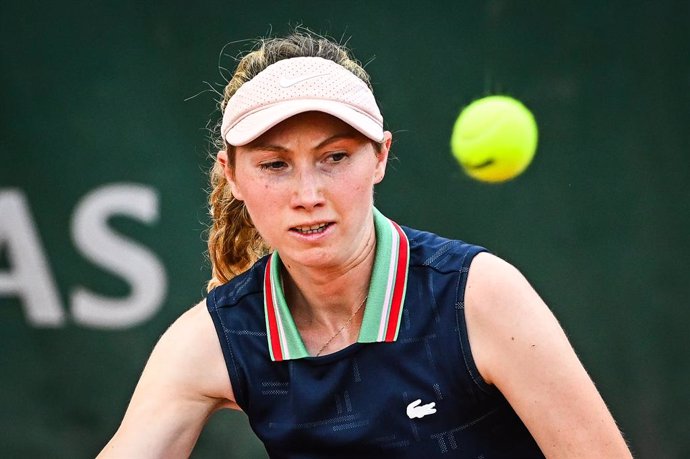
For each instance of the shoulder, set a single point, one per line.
(507, 320)
(183, 383)
(492, 280)
(519, 346)
(190, 357)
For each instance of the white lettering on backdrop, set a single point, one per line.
(29, 276)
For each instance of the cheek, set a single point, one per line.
(262, 201)
(359, 188)
(353, 191)
(366, 180)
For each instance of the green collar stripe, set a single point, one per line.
(388, 283)
(383, 312)
(376, 312)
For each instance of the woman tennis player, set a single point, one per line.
(337, 331)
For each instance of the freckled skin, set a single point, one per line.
(307, 184)
(293, 176)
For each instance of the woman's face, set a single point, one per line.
(308, 186)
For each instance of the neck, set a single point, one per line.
(322, 299)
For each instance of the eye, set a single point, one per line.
(337, 157)
(273, 165)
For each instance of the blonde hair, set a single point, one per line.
(234, 244)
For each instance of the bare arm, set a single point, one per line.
(519, 347)
(184, 382)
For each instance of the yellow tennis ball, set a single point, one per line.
(494, 138)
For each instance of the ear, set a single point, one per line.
(382, 157)
(229, 172)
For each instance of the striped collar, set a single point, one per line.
(384, 307)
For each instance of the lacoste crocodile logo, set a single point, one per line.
(414, 410)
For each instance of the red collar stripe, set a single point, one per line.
(271, 320)
(399, 288)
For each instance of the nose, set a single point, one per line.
(308, 189)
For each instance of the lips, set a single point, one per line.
(311, 229)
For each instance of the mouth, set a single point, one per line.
(316, 228)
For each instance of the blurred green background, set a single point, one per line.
(104, 116)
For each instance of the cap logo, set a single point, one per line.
(287, 82)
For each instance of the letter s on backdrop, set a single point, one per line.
(119, 255)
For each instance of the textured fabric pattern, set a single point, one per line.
(374, 399)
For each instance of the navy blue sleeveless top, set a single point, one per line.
(413, 392)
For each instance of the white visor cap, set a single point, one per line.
(297, 85)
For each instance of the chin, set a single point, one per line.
(315, 259)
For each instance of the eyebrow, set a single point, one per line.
(265, 147)
(336, 137)
(281, 149)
